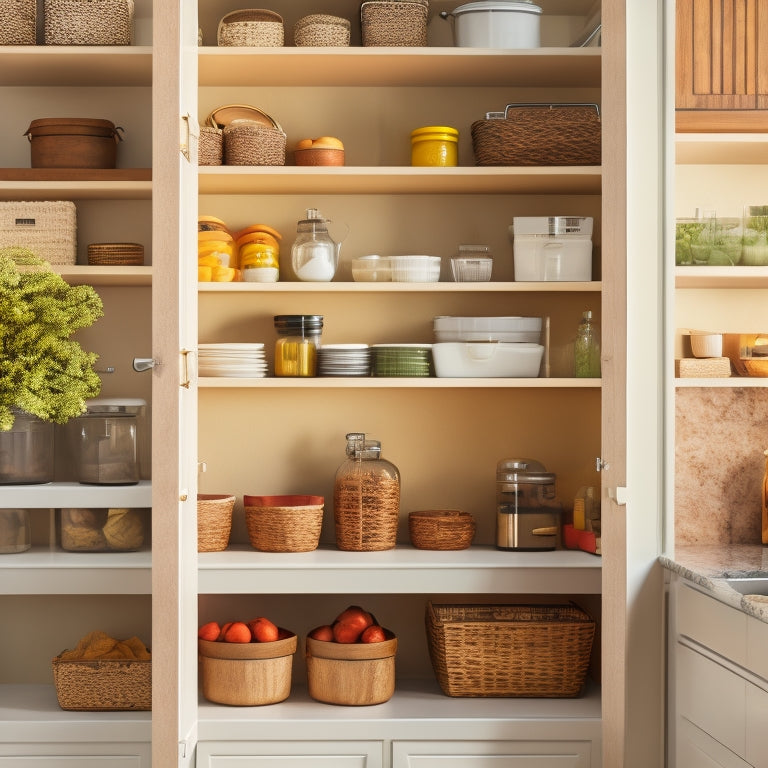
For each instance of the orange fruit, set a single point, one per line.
(263, 630)
(238, 632)
(373, 634)
(324, 632)
(209, 631)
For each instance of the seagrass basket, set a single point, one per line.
(394, 22)
(210, 147)
(284, 523)
(319, 29)
(18, 19)
(510, 650)
(250, 143)
(103, 684)
(95, 22)
(443, 529)
(116, 254)
(47, 228)
(214, 521)
(253, 27)
(539, 134)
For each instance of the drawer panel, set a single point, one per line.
(757, 643)
(757, 726)
(296, 754)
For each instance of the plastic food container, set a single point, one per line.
(26, 451)
(371, 269)
(15, 531)
(473, 264)
(552, 248)
(507, 329)
(496, 24)
(487, 360)
(415, 269)
(102, 530)
(435, 145)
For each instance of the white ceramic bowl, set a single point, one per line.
(487, 360)
(706, 344)
(415, 269)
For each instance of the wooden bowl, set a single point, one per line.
(319, 156)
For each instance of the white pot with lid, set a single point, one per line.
(496, 24)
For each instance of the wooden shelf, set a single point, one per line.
(721, 148)
(111, 275)
(288, 286)
(721, 277)
(394, 382)
(76, 183)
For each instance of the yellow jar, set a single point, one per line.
(259, 254)
(435, 145)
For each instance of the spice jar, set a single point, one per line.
(435, 145)
(296, 346)
(106, 442)
(366, 498)
(15, 531)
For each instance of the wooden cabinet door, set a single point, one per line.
(721, 59)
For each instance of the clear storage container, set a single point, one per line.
(15, 531)
(552, 248)
(26, 450)
(101, 530)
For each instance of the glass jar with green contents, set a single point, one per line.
(296, 346)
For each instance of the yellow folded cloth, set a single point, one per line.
(99, 645)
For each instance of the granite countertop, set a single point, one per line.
(710, 565)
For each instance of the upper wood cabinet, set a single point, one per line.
(722, 65)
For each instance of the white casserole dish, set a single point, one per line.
(496, 24)
(487, 360)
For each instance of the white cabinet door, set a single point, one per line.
(293, 754)
(139, 758)
(493, 754)
(695, 749)
(757, 726)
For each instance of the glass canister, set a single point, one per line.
(297, 343)
(435, 145)
(366, 498)
(106, 442)
(26, 450)
(314, 254)
(15, 531)
(258, 250)
(528, 514)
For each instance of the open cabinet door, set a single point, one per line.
(174, 301)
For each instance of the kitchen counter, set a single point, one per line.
(710, 565)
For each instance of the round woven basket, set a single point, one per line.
(214, 521)
(284, 523)
(253, 144)
(116, 254)
(319, 29)
(210, 148)
(255, 27)
(442, 529)
(394, 22)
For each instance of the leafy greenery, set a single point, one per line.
(42, 370)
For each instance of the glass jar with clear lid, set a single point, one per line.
(26, 450)
(15, 531)
(107, 442)
(366, 498)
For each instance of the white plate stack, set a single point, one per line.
(344, 360)
(232, 360)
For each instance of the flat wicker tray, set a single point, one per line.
(510, 650)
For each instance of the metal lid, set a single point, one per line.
(524, 6)
(552, 225)
(114, 406)
(523, 471)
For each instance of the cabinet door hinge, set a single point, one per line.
(188, 129)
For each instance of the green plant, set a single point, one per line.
(42, 370)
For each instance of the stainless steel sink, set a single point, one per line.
(749, 585)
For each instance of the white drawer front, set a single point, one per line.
(695, 749)
(757, 726)
(293, 754)
(757, 645)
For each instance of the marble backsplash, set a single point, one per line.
(721, 434)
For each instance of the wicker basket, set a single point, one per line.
(510, 650)
(95, 22)
(116, 254)
(254, 27)
(444, 529)
(247, 674)
(351, 674)
(48, 229)
(539, 134)
(19, 18)
(320, 30)
(210, 148)
(284, 523)
(103, 684)
(253, 144)
(366, 512)
(214, 521)
(394, 22)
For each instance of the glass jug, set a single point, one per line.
(314, 255)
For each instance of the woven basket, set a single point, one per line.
(539, 134)
(394, 22)
(510, 650)
(320, 30)
(19, 18)
(210, 148)
(48, 229)
(214, 521)
(95, 22)
(284, 523)
(116, 254)
(441, 529)
(254, 27)
(253, 144)
(103, 684)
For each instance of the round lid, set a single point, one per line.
(523, 6)
(428, 129)
(115, 406)
(523, 471)
(226, 115)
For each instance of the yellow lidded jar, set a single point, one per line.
(435, 145)
(259, 254)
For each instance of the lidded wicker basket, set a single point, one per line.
(284, 523)
(19, 19)
(253, 27)
(319, 29)
(95, 22)
(214, 521)
(510, 650)
(394, 22)
(443, 529)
